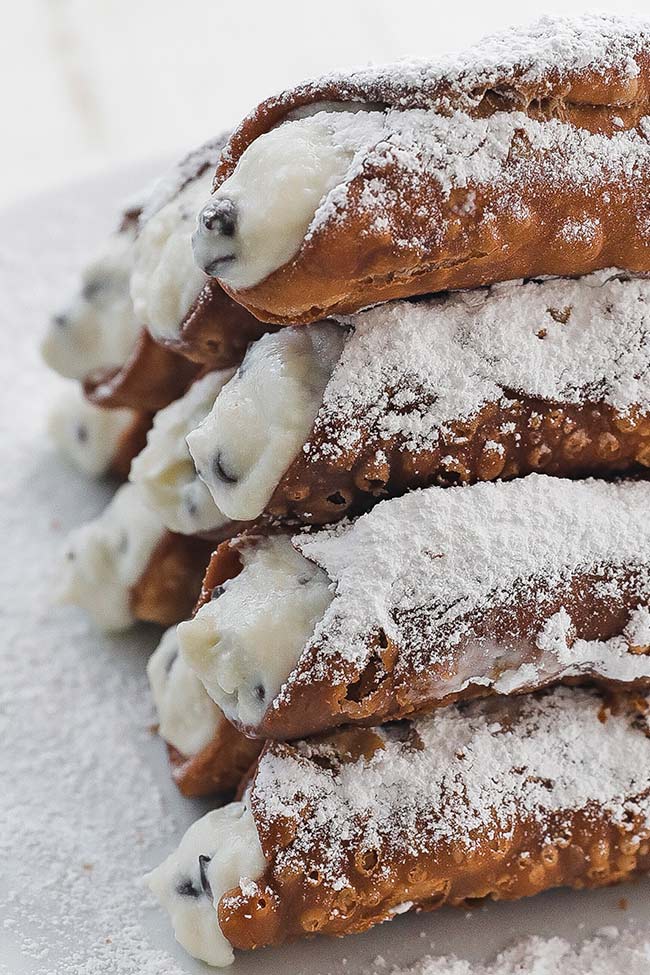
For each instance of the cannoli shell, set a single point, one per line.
(512, 226)
(151, 378)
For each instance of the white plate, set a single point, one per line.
(86, 803)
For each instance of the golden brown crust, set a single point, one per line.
(564, 440)
(168, 587)
(394, 685)
(131, 443)
(597, 853)
(517, 224)
(150, 379)
(217, 330)
(217, 769)
(507, 856)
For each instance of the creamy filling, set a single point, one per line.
(187, 717)
(164, 471)
(245, 642)
(87, 435)
(259, 217)
(166, 281)
(218, 852)
(263, 416)
(104, 559)
(98, 328)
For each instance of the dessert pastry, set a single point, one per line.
(98, 328)
(125, 566)
(184, 309)
(97, 441)
(207, 754)
(526, 155)
(146, 276)
(548, 376)
(401, 611)
(499, 799)
(164, 471)
(99, 338)
(151, 378)
(262, 418)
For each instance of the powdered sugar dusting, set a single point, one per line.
(456, 775)
(81, 813)
(406, 558)
(411, 369)
(169, 185)
(610, 952)
(459, 152)
(550, 48)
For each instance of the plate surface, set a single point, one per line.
(86, 803)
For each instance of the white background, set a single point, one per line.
(89, 84)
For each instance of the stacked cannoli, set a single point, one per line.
(135, 388)
(391, 343)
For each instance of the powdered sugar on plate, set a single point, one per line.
(82, 810)
(609, 953)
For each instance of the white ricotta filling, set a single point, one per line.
(164, 471)
(166, 282)
(87, 435)
(187, 717)
(263, 416)
(98, 328)
(245, 642)
(104, 559)
(218, 852)
(258, 219)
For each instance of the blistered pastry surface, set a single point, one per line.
(502, 799)
(406, 570)
(489, 167)
(413, 369)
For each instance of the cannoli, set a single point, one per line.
(262, 418)
(498, 799)
(207, 754)
(97, 441)
(438, 596)
(98, 328)
(184, 309)
(526, 155)
(125, 566)
(151, 378)
(164, 471)
(545, 376)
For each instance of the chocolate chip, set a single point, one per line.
(260, 692)
(61, 321)
(171, 661)
(187, 889)
(191, 506)
(92, 288)
(304, 580)
(220, 472)
(205, 883)
(81, 432)
(336, 498)
(220, 215)
(217, 591)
